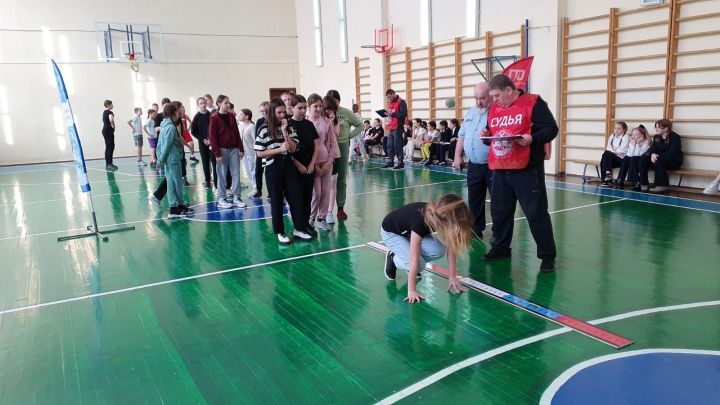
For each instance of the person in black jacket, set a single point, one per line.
(665, 154)
(443, 146)
(199, 129)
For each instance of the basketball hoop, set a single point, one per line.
(134, 58)
(383, 40)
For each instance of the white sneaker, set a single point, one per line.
(251, 194)
(712, 189)
(282, 238)
(154, 200)
(223, 204)
(141, 163)
(330, 219)
(237, 202)
(301, 235)
(323, 225)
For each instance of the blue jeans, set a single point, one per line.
(430, 249)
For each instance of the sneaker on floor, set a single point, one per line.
(324, 226)
(547, 265)
(237, 202)
(221, 203)
(341, 214)
(252, 194)
(497, 254)
(154, 200)
(301, 235)
(185, 182)
(186, 210)
(194, 159)
(141, 163)
(388, 165)
(398, 167)
(311, 231)
(207, 185)
(390, 268)
(111, 167)
(660, 189)
(283, 238)
(175, 212)
(330, 219)
(711, 189)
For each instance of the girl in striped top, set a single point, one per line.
(273, 143)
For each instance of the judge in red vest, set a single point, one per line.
(518, 168)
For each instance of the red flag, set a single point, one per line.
(519, 72)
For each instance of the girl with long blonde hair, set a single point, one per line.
(423, 232)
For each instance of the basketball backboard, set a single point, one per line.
(123, 42)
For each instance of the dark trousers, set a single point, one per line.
(283, 184)
(451, 150)
(385, 145)
(161, 190)
(630, 168)
(439, 151)
(479, 180)
(307, 183)
(608, 161)
(661, 167)
(259, 169)
(205, 158)
(395, 146)
(109, 146)
(526, 186)
(370, 143)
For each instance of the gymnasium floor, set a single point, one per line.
(217, 312)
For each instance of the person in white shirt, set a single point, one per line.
(135, 123)
(615, 151)
(247, 135)
(638, 147)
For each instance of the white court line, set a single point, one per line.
(164, 218)
(425, 382)
(553, 388)
(176, 280)
(638, 200)
(575, 208)
(74, 198)
(402, 188)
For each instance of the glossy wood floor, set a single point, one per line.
(189, 312)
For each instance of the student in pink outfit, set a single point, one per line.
(327, 153)
(330, 108)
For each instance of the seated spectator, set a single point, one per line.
(357, 144)
(665, 154)
(713, 187)
(615, 151)
(433, 136)
(418, 136)
(455, 128)
(443, 145)
(638, 148)
(374, 135)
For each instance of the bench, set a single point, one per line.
(680, 172)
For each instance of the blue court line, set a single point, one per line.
(679, 202)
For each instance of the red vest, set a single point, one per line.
(395, 106)
(513, 120)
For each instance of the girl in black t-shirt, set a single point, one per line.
(408, 234)
(305, 156)
(108, 133)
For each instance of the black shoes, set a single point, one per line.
(400, 166)
(497, 254)
(390, 269)
(111, 167)
(388, 165)
(547, 265)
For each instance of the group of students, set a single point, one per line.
(636, 153)
(436, 140)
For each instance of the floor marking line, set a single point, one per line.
(573, 208)
(177, 280)
(75, 198)
(553, 388)
(165, 218)
(529, 340)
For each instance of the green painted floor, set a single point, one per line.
(147, 318)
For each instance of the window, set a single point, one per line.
(318, 33)
(342, 26)
(425, 22)
(472, 22)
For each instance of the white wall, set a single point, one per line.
(247, 48)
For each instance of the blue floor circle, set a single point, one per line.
(653, 376)
(257, 208)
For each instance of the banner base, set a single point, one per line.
(92, 231)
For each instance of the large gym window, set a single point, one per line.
(425, 22)
(342, 27)
(317, 16)
(472, 19)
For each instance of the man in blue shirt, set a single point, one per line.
(479, 175)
